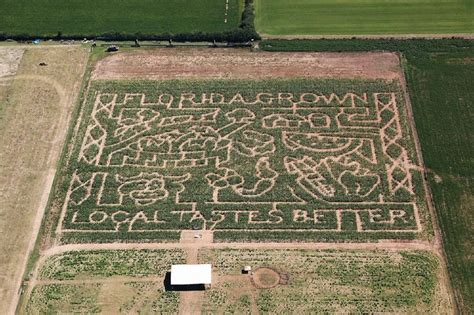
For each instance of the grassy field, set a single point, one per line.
(364, 17)
(75, 17)
(148, 144)
(328, 281)
(104, 264)
(440, 75)
(35, 106)
(119, 281)
(442, 94)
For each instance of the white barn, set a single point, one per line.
(191, 274)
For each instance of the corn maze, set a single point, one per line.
(234, 156)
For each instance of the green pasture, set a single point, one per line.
(364, 17)
(441, 88)
(73, 17)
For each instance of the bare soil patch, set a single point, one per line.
(179, 63)
(265, 278)
(9, 60)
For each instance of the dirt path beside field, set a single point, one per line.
(232, 63)
(387, 245)
(381, 36)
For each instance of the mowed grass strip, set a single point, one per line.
(364, 17)
(89, 17)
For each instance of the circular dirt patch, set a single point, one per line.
(265, 278)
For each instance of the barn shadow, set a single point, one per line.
(169, 287)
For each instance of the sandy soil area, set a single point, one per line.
(206, 63)
(9, 60)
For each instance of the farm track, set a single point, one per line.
(387, 245)
(382, 36)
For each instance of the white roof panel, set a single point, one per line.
(191, 274)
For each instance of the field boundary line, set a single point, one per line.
(395, 245)
(369, 36)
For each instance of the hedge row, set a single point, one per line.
(243, 33)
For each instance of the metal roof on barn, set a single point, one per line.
(191, 274)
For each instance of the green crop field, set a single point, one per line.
(364, 17)
(90, 17)
(441, 85)
(104, 264)
(318, 157)
(119, 281)
(324, 282)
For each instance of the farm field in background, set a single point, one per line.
(151, 158)
(364, 17)
(90, 17)
(325, 281)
